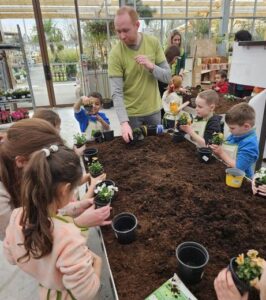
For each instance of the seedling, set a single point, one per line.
(260, 176)
(79, 139)
(184, 119)
(96, 168)
(105, 192)
(217, 138)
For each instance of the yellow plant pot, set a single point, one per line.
(234, 177)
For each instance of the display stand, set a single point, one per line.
(248, 68)
(12, 104)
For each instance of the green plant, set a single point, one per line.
(105, 192)
(217, 138)
(80, 139)
(249, 267)
(230, 97)
(184, 119)
(260, 175)
(95, 167)
(137, 132)
(96, 133)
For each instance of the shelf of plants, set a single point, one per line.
(175, 198)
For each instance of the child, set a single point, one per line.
(172, 94)
(89, 117)
(206, 122)
(241, 148)
(50, 116)
(221, 83)
(39, 242)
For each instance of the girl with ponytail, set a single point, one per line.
(39, 241)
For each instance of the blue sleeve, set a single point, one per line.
(82, 118)
(104, 117)
(247, 155)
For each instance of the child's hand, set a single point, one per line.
(79, 151)
(261, 189)
(183, 90)
(216, 149)
(187, 129)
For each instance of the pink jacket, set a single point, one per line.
(67, 267)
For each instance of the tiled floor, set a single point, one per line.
(14, 284)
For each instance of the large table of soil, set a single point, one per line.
(176, 198)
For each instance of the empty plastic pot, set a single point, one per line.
(89, 154)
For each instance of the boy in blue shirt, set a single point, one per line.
(89, 118)
(241, 148)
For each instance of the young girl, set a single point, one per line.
(172, 94)
(40, 242)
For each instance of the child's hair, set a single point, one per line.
(171, 52)
(96, 95)
(243, 35)
(239, 114)
(177, 81)
(210, 96)
(223, 74)
(48, 115)
(45, 171)
(22, 139)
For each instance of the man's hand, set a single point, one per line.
(144, 61)
(126, 132)
(225, 288)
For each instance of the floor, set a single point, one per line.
(16, 285)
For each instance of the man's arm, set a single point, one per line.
(162, 72)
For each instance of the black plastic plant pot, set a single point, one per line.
(107, 183)
(151, 130)
(99, 203)
(178, 137)
(89, 154)
(205, 154)
(94, 175)
(192, 259)
(98, 137)
(241, 285)
(108, 135)
(169, 123)
(124, 226)
(79, 145)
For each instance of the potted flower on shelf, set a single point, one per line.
(95, 169)
(105, 192)
(79, 139)
(246, 270)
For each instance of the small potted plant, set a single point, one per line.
(184, 119)
(137, 135)
(108, 135)
(95, 169)
(217, 138)
(105, 192)
(79, 139)
(260, 177)
(246, 270)
(98, 136)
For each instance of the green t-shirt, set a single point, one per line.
(141, 93)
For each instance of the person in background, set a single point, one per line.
(135, 64)
(240, 90)
(172, 94)
(171, 54)
(89, 117)
(241, 149)
(178, 67)
(221, 83)
(206, 122)
(39, 242)
(50, 116)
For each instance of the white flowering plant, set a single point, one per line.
(105, 192)
(260, 175)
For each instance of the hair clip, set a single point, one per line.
(46, 151)
(53, 148)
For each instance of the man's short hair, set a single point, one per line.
(239, 114)
(210, 96)
(130, 11)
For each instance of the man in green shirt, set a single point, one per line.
(135, 64)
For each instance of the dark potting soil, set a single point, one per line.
(225, 104)
(176, 198)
